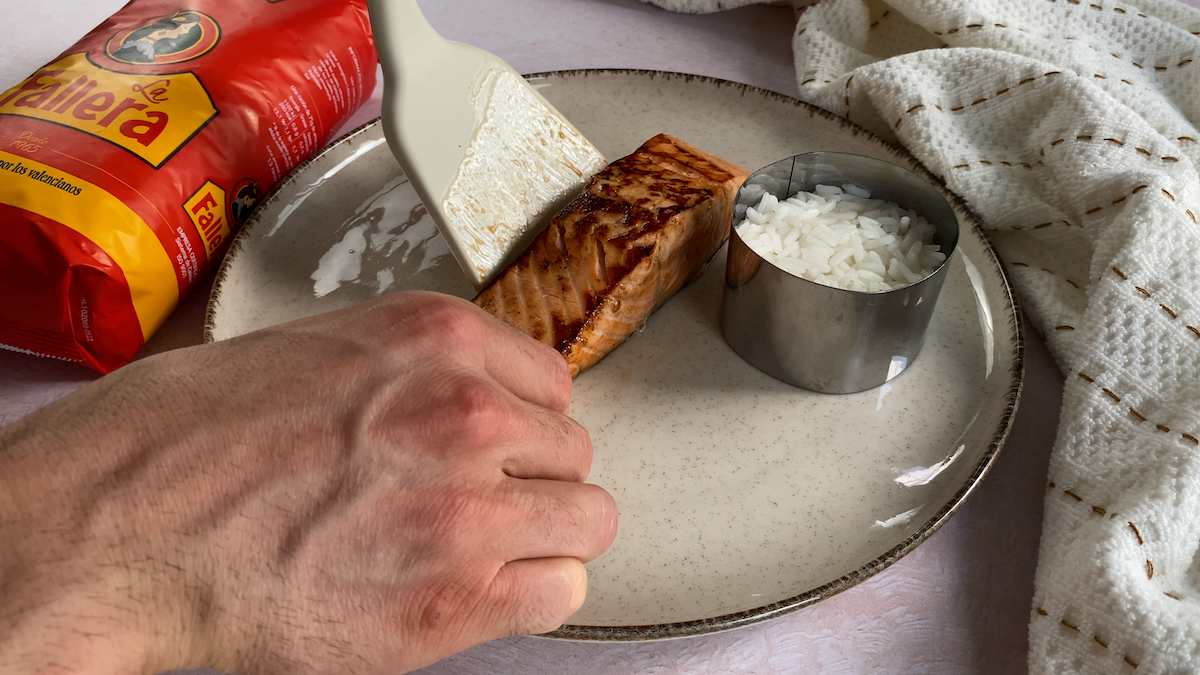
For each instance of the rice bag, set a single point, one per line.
(128, 162)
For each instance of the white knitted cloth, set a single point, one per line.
(1070, 127)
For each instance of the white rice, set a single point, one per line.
(840, 237)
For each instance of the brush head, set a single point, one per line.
(491, 158)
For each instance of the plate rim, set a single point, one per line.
(747, 617)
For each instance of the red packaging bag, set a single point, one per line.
(128, 162)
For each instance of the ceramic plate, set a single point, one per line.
(741, 498)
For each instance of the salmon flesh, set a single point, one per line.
(642, 228)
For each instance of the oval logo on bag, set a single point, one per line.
(179, 37)
(245, 198)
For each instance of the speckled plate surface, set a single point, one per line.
(741, 498)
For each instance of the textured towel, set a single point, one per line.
(1070, 127)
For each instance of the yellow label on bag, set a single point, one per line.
(151, 116)
(207, 211)
(105, 221)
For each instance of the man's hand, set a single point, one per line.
(367, 491)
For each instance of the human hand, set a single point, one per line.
(367, 491)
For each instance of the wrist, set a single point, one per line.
(65, 606)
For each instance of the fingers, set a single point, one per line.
(529, 369)
(559, 519)
(551, 446)
(538, 596)
(498, 431)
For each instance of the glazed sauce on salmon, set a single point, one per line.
(642, 228)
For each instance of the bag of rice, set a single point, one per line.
(127, 163)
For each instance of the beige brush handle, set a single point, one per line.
(402, 33)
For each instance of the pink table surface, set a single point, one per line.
(958, 604)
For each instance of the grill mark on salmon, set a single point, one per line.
(642, 228)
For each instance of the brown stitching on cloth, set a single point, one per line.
(1186, 139)
(1142, 542)
(1137, 534)
(1171, 312)
(1173, 595)
(1102, 76)
(1191, 439)
(960, 107)
(883, 16)
(1095, 508)
(1185, 60)
(1064, 327)
(1167, 193)
(1089, 138)
(1002, 162)
(1100, 641)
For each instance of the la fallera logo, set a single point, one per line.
(151, 116)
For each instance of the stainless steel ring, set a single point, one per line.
(818, 337)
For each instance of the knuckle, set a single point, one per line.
(478, 410)
(449, 323)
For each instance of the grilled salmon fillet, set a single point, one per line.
(642, 228)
